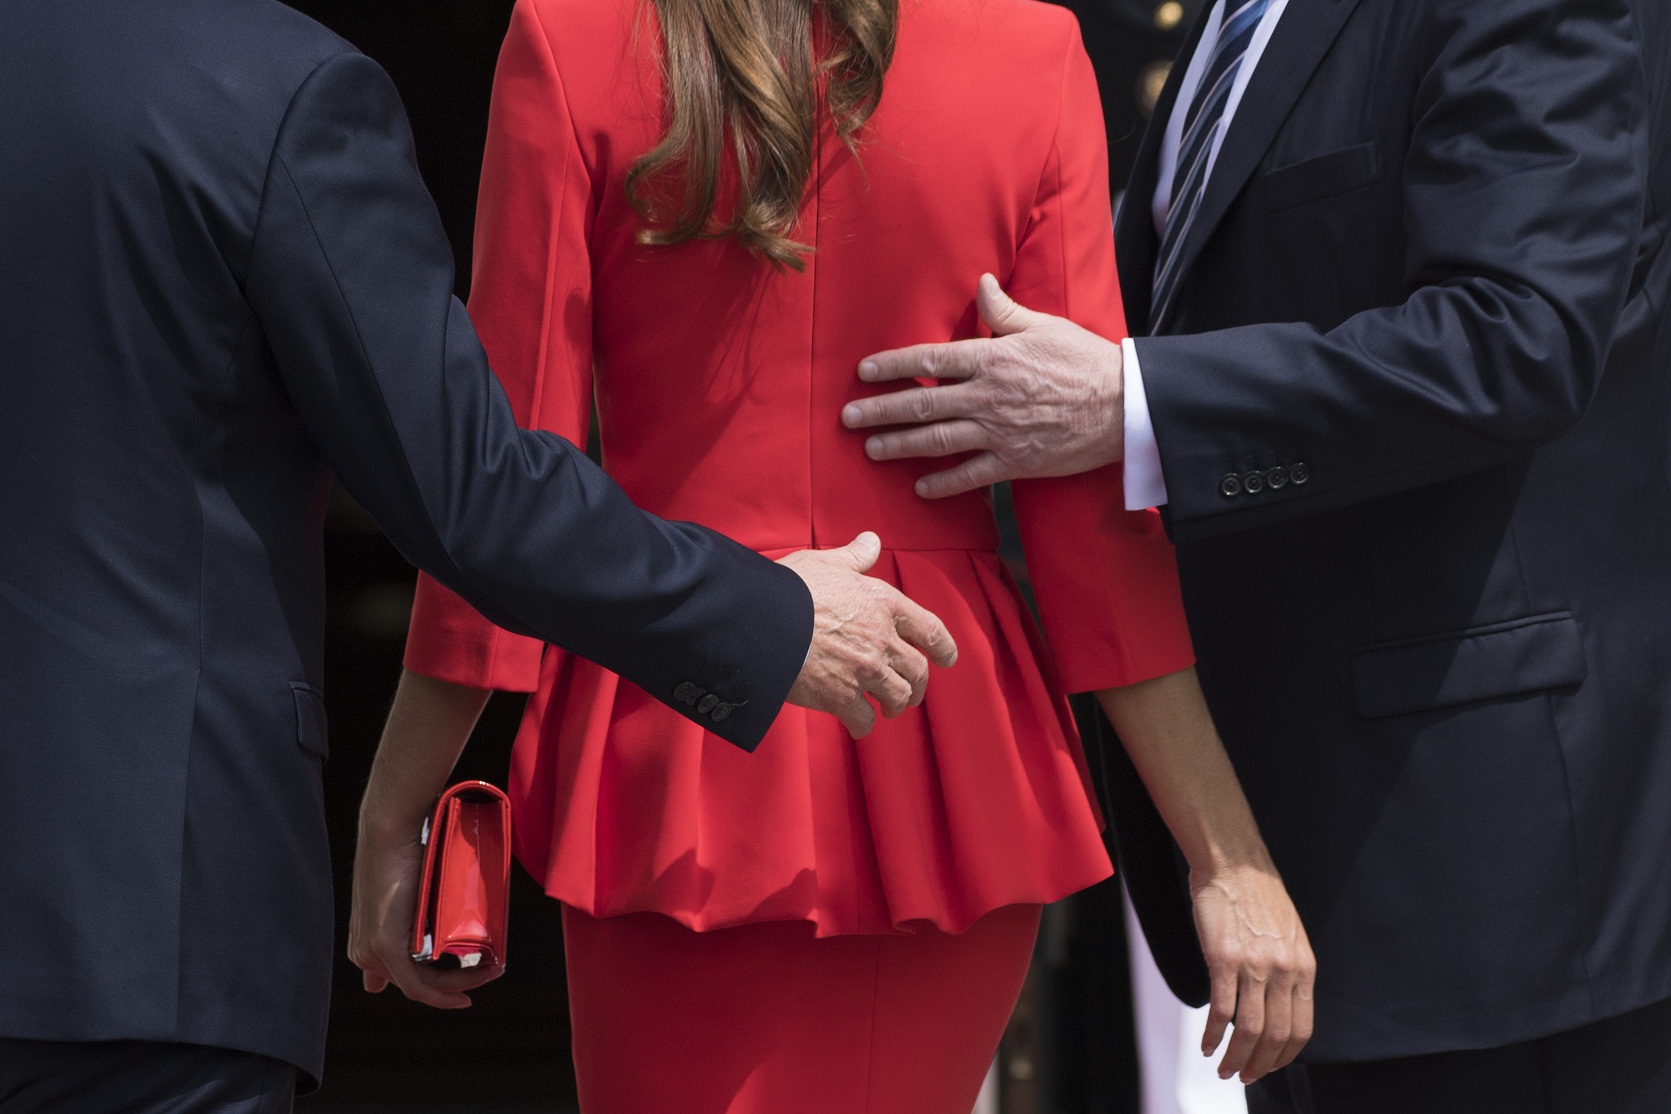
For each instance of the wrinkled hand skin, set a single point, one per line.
(868, 638)
(1042, 397)
(1263, 971)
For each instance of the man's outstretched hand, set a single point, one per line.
(867, 638)
(1043, 397)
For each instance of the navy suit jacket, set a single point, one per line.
(220, 278)
(1413, 404)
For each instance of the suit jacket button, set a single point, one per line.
(1253, 483)
(1230, 486)
(1298, 473)
(707, 704)
(1276, 477)
(686, 693)
(722, 713)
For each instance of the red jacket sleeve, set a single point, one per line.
(531, 300)
(1104, 577)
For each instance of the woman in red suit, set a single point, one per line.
(827, 924)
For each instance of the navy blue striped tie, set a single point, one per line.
(1202, 124)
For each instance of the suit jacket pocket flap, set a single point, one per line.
(1322, 176)
(1504, 659)
(312, 734)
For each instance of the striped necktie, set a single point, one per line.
(1202, 123)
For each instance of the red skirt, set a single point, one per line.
(768, 1018)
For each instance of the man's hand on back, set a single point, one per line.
(867, 638)
(1044, 397)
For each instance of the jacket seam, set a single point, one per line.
(273, 158)
(1053, 161)
(557, 74)
(377, 386)
(538, 400)
(1584, 910)
(197, 672)
(1053, 152)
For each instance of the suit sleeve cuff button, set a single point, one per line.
(1230, 486)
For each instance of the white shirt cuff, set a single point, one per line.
(1145, 485)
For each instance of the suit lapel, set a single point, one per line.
(1134, 233)
(1297, 47)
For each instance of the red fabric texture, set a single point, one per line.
(766, 1018)
(719, 383)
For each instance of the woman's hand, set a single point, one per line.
(1261, 965)
(427, 728)
(386, 876)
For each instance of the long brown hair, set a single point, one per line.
(742, 91)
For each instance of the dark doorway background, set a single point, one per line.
(1070, 1049)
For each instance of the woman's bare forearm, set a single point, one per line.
(426, 731)
(1258, 957)
(1167, 731)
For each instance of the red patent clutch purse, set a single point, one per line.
(464, 896)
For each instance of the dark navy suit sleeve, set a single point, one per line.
(1522, 190)
(351, 278)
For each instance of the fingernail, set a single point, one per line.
(873, 447)
(867, 370)
(922, 488)
(850, 415)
